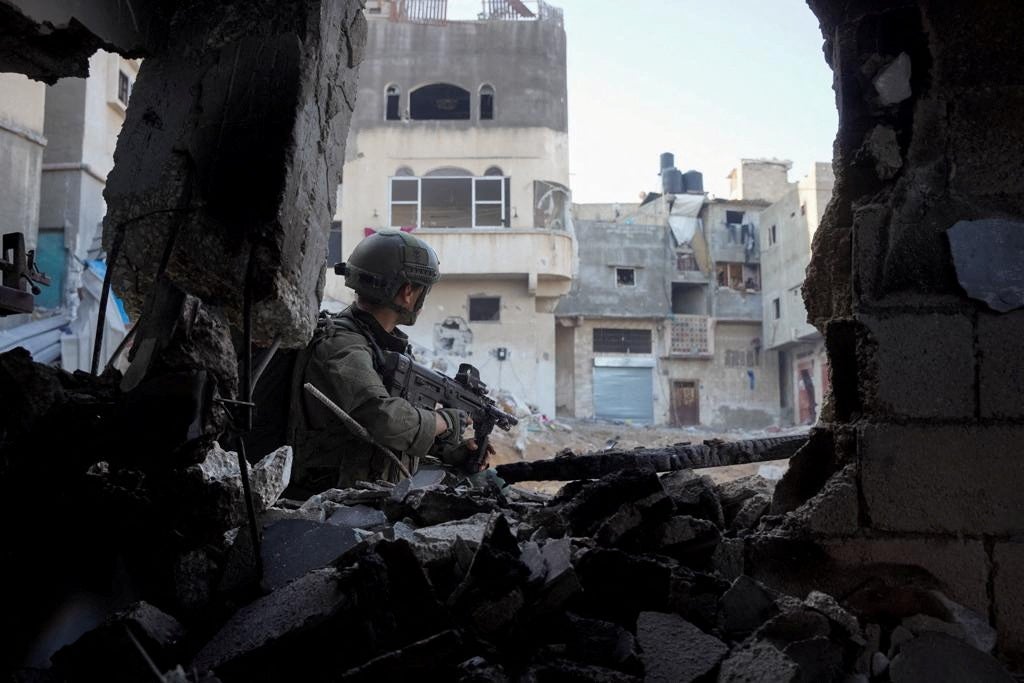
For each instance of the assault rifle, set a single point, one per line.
(426, 388)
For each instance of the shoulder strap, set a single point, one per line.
(346, 321)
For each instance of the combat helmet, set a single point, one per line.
(386, 260)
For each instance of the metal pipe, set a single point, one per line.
(354, 426)
(246, 388)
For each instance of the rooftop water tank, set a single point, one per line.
(672, 181)
(668, 160)
(693, 181)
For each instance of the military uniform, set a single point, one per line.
(342, 362)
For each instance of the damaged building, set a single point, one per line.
(787, 229)
(460, 133)
(142, 541)
(59, 147)
(667, 308)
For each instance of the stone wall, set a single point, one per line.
(926, 416)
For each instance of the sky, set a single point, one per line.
(711, 82)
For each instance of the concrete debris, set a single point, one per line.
(988, 255)
(111, 651)
(270, 477)
(676, 650)
(893, 82)
(938, 658)
(633, 576)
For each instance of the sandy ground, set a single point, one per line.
(533, 440)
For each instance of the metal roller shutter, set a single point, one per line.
(624, 394)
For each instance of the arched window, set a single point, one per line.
(404, 171)
(439, 102)
(391, 103)
(447, 172)
(486, 102)
(494, 170)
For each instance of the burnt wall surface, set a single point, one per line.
(926, 418)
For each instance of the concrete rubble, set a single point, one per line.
(633, 576)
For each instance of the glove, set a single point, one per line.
(456, 421)
(461, 457)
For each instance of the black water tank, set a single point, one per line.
(672, 181)
(693, 181)
(668, 160)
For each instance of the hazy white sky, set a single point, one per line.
(712, 81)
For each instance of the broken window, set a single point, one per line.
(334, 243)
(610, 340)
(485, 309)
(690, 336)
(776, 309)
(486, 103)
(734, 218)
(751, 277)
(445, 201)
(124, 88)
(625, 277)
(730, 275)
(392, 103)
(439, 102)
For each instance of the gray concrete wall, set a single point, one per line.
(603, 247)
(523, 60)
(731, 304)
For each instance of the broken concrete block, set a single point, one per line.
(293, 609)
(357, 517)
(628, 519)
(882, 149)
(293, 547)
(471, 529)
(745, 606)
(827, 605)
(938, 658)
(675, 650)
(618, 585)
(728, 558)
(758, 663)
(987, 256)
(479, 670)
(818, 659)
(690, 540)
(893, 82)
(794, 626)
(270, 477)
(751, 512)
(436, 505)
(695, 495)
(594, 641)
(560, 579)
(594, 501)
(732, 494)
(108, 653)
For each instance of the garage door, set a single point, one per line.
(624, 394)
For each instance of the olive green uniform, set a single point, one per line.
(340, 362)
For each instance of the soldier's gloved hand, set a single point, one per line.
(455, 421)
(463, 457)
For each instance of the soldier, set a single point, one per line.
(391, 273)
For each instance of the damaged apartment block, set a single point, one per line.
(142, 541)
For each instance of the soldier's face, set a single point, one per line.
(410, 299)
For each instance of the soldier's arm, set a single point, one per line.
(347, 377)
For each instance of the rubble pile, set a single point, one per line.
(633, 576)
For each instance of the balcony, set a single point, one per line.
(544, 256)
(733, 304)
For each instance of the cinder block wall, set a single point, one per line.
(927, 418)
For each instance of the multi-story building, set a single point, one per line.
(663, 323)
(788, 228)
(61, 140)
(460, 133)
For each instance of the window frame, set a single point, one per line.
(502, 182)
(777, 308)
(486, 90)
(623, 269)
(124, 83)
(607, 332)
(477, 297)
(387, 102)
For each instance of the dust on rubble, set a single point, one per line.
(537, 438)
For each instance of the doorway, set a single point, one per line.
(685, 403)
